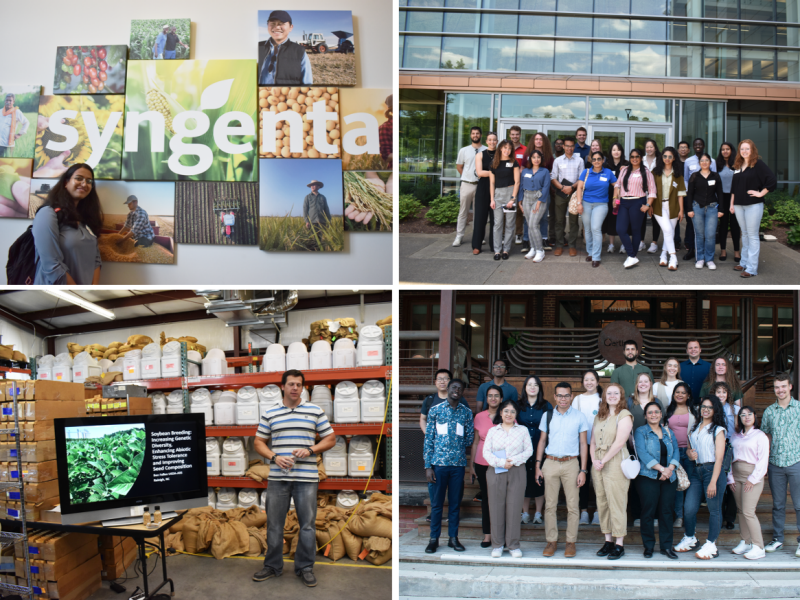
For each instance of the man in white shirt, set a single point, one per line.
(566, 170)
(465, 164)
(691, 165)
(13, 125)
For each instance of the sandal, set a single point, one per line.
(505, 255)
(497, 257)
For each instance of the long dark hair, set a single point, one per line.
(673, 404)
(609, 162)
(489, 389)
(655, 145)
(541, 163)
(540, 403)
(718, 420)
(499, 153)
(597, 378)
(87, 211)
(498, 417)
(721, 159)
(659, 170)
(642, 170)
(663, 420)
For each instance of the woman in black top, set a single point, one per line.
(483, 197)
(752, 180)
(704, 201)
(614, 162)
(504, 190)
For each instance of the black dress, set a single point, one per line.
(610, 223)
(483, 212)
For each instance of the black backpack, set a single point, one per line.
(21, 265)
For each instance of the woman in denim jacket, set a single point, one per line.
(657, 450)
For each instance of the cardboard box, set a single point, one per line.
(36, 492)
(7, 352)
(54, 545)
(118, 552)
(34, 472)
(32, 510)
(116, 570)
(37, 431)
(19, 357)
(109, 542)
(80, 583)
(43, 570)
(37, 451)
(47, 410)
(58, 391)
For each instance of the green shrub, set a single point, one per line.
(780, 207)
(422, 191)
(793, 235)
(444, 210)
(788, 211)
(409, 206)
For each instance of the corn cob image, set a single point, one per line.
(156, 101)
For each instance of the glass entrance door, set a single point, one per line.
(528, 130)
(631, 136)
(610, 135)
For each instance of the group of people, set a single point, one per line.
(639, 450)
(512, 185)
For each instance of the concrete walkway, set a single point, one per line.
(431, 259)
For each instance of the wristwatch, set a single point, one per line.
(584, 471)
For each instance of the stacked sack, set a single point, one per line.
(223, 534)
(321, 330)
(384, 323)
(191, 342)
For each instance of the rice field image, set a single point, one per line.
(217, 213)
(289, 234)
(24, 98)
(334, 69)
(368, 202)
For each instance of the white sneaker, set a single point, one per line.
(699, 264)
(630, 261)
(622, 249)
(516, 553)
(637, 522)
(610, 249)
(653, 248)
(641, 246)
(755, 553)
(797, 554)
(663, 260)
(584, 518)
(497, 552)
(526, 518)
(742, 548)
(596, 518)
(773, 546)
(710, 264)
(457, 241)
(686, 544)
(673, 262)
(539, 256)
(537, 518)
(531, 254)
(518, 239)
(708, 551)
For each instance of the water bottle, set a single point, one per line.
(289, 470)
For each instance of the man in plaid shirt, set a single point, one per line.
(386, 134)
(137, 225)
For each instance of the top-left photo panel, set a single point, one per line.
(169, 143)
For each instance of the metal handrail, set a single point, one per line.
(770, 372)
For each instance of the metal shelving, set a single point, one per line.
(331, 483)
(339, 429)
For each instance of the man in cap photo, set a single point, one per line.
(281, 61)
(161, 41)
(13, 125)
(315, 208)
(137, 225)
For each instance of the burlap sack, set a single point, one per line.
(191, 527)
(135, 340)
(258, 541)
(253, 517)
(380, 550)
(374, 519)
(258, 472)
(114, 345)
(352, 544)
(175, 541)
(229, 539)
(329, 535)
(378, 497)
(321, 468)
(177, 527)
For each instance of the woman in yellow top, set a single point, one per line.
(610, 432)
(668, 205)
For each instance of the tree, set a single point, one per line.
(449, 64)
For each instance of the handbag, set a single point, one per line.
(683, 478)
(631, 465)
(575, 202)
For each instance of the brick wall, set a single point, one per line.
(417, 375)
(407, 516)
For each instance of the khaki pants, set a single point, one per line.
(611, 492)
(746, 503)
(506, 491)
(557, 474)
(467, 198)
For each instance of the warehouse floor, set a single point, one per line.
(200, 578)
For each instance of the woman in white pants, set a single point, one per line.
(504, 188)
(668, 206)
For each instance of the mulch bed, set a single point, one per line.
(780, 231)
(420, 224)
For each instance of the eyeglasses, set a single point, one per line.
(597, 158)
(509, 413)
(705, 407)
(563, 396)
(498, 367)
(81, 179)
(746, 414)
(442, 380)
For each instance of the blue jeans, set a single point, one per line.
(630, 214)
(688, 466)
(449, 482)
(700, 479)
(305, 503)
(594, 213)
(705, 230)
(169, 54)
(542, 223)
(749, 218)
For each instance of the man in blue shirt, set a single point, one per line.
(281, 61)
(137, 224)
(161, 41)
(448, 439)
(695, 370)
(581, 147)
(562, 442)
(499, 370)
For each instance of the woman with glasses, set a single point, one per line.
(725, 161)
(634, 193)
(610, 432)
(668, 205)
(614, 162)
(483, 196)
(746, 480)
(704, 201)
(707, 450)
(532, 409)
(503, 190)
(507, 449)
(680, 419)
(65, 231)
(657, 450)
(484, 421)
(593, 185)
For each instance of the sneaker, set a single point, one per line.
(630, 261)
(518, 240)
(457, 241)
(526, 518)
(526, 246)
(539, 256)
(678, 522)
(686, 544)
(755, 553)
(797, 553)
(653, 248)
(265, 573)
(710, 264)
(537, 518)
(699, 264)
(546, 245)
(497, 552)
(662, 262)
(531, 254)
(622, 249)
(516, 553)
(673, 262)
(307, 576)
(708, 551)
(773, 546)
(742, 548)
(596, 518)
(584, 518)
(610, 249)
(637, 522)
(642, 246)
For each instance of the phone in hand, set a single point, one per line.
(473, 479)
(540, 480)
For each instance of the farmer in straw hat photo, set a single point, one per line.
(315, 208)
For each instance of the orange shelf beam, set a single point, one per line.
(339, 429)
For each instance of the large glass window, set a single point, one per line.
(491, 23)
(426, 2)
(789, 65)
(497, 54)
(648, 30)
(420, 133)
(648, 60)
(537, 4)
(686, 8)
(721, 63)
(610, 58)
(584, 6)
(504, 4)
(463, 111)
(463, 3)
(459, 53)
(651, 7)
(652, 110)
(758, 35)
(619, 7)
(535, 56)
(573, 57)
(721, 9)
(472, 327)
(788, 11)
(537, 25)
(424, 21)
(758, 64)
(521, 106)
(574, 27)
(704, 119)
(422, 52)
(612, 28)
(757, 10)
(684, 61)
(721, 33)
(461, 22)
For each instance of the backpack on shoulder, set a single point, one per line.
(21, 265)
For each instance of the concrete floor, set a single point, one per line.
(201, 578)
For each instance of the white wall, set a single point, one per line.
(229, 31)
(22, 339)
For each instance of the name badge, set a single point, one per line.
(636, 174)
(459, 429)
(604, 179)
(441, 428)
(528, 174)
(737, 171)
(674, 184)
(509, 164)
(712, 182)
(693, 167)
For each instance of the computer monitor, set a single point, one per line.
(110, 466)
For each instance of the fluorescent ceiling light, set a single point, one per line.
(70, 297)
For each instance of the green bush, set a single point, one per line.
(409, 206)
(780, 207)
(444, 210)
(793, 235)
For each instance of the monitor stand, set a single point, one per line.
(134, 520)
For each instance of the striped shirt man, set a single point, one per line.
(293, 429)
